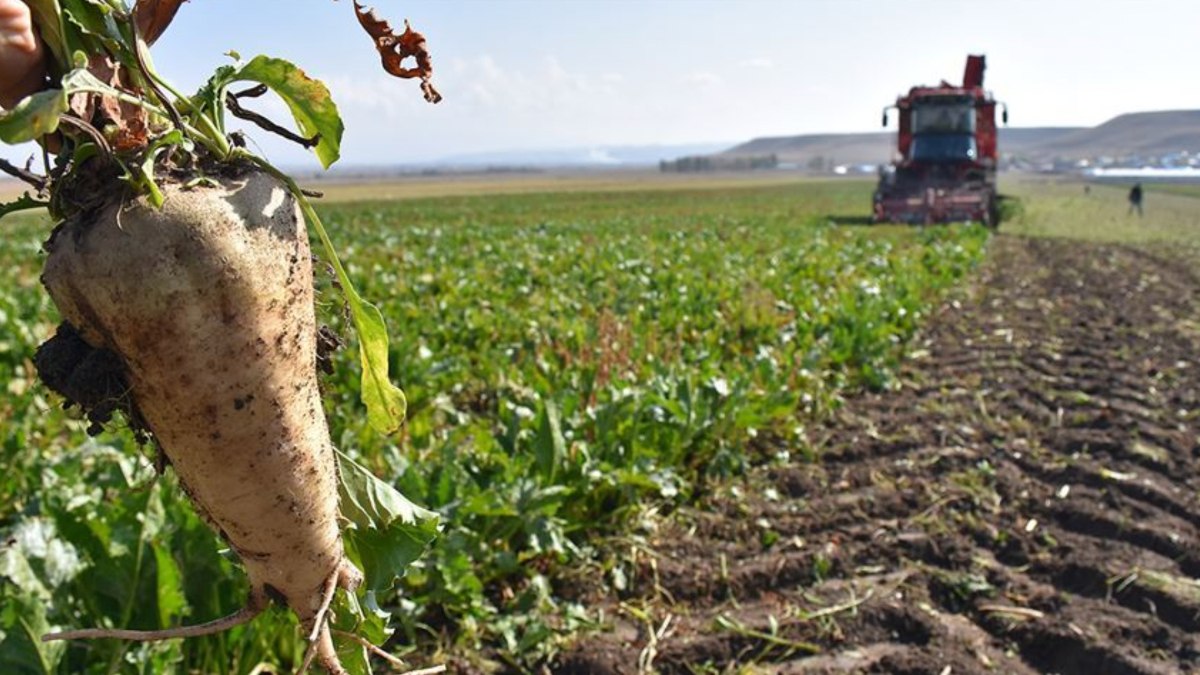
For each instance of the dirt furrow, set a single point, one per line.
(1029, 493)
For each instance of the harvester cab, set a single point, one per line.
(945, 170)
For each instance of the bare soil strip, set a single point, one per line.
(1027, 501)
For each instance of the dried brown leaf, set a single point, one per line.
(394, 49)
(153, 17)
(125, 124)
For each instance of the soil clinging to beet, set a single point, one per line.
(93, 379)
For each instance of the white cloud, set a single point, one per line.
(760, 63)
(491, 102)
(545, 85)
(704, 79)
(382, 95)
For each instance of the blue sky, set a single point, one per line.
(540, 74)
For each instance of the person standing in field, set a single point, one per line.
(1135, 198)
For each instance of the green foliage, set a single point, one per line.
(1183, 189)
(387, 531)
(23, 203)
(1100, 212)
(101, 543)
(308, 99)
(386, 405)
(1011, 208)
(575, 362)
(33, 117)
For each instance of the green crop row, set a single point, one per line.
(576, 364)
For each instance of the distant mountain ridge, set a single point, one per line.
(1144, 133)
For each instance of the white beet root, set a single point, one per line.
(208, 302)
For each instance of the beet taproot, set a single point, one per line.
(208, 304)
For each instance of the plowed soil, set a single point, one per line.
(1027, 501)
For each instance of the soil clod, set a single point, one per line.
(94, 379)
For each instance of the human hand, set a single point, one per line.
(22, 60)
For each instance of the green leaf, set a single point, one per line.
(35, 116)
(168, 586)
(366, 620)
(308, 99)
(385, 402)
(368, 502)
(22, 203)
(352, 655)
(95, 20)
(388, 531)
(48, 16)
(549, 446)
(347, 617)
(22, 625)
(146, 169)
(374, 624)
(386, 554)
(210, 100)
(15, 567)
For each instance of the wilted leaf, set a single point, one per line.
(95, 93)
(393, 49)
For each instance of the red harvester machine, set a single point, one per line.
(947, 148)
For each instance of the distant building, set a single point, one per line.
(1147, 174)
(704, 163)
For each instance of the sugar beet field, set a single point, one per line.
(687, 430)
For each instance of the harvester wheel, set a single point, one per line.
(992, 218)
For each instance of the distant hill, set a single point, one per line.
(595, 156)
(1146, 134)
(868, 148)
